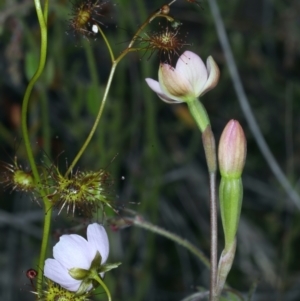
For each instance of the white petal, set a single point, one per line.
(97, 237)
(191, 66)
(155, 86)
(213, 75)
(169, 100)
(73, 251)
(57, 273)
(173, 84)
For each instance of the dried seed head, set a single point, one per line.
(83, 192)
(15, 177)
(166, 42)
(85, 14)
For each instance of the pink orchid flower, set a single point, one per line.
(187, 81)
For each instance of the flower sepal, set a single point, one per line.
(78, 273)
(109, 266)
(84, 286)
(87, 276)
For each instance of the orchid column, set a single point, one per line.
(185, 83)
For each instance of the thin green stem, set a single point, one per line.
(200, 115)
(213, 237)
(46, 230)
(42, 18)
(174, 237)
(110, 78)
(156, 14)
(211, 159)
(29, 88)
(107, 44)
(98, 117)
(98, 279)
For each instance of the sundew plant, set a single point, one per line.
(114, 115)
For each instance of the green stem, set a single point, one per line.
(46, 230)
(98, 279)
(225, 264)
(213, 237)
(139, 222)
(42, 18)
(199, 113)
(29, 88)
(107, 44)
(156, 14)
(211, 159)
(98, 117)
(110, 78)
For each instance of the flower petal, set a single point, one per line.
(155, 86)
(173, 84)
(213, 75)
(57, 273)
(191, 66)
(97, 237)
(73, 251)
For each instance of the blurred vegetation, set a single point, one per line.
(158, 147)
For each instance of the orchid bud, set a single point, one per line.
(232, 150)
(232, 155)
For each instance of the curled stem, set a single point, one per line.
(42, 18)
(100, 281)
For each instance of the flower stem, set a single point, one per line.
(101, 109)
(98, 279)
(213, 236)
(107, 44)
(46, 230)
(29, 88)
(211, 159)
(156, 14)
(139, 222)
(42, 18)
(200, 115)
(110, 78)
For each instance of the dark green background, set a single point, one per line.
(158, 152)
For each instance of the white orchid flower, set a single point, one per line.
(187, 81)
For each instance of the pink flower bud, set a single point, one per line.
(232, 150)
